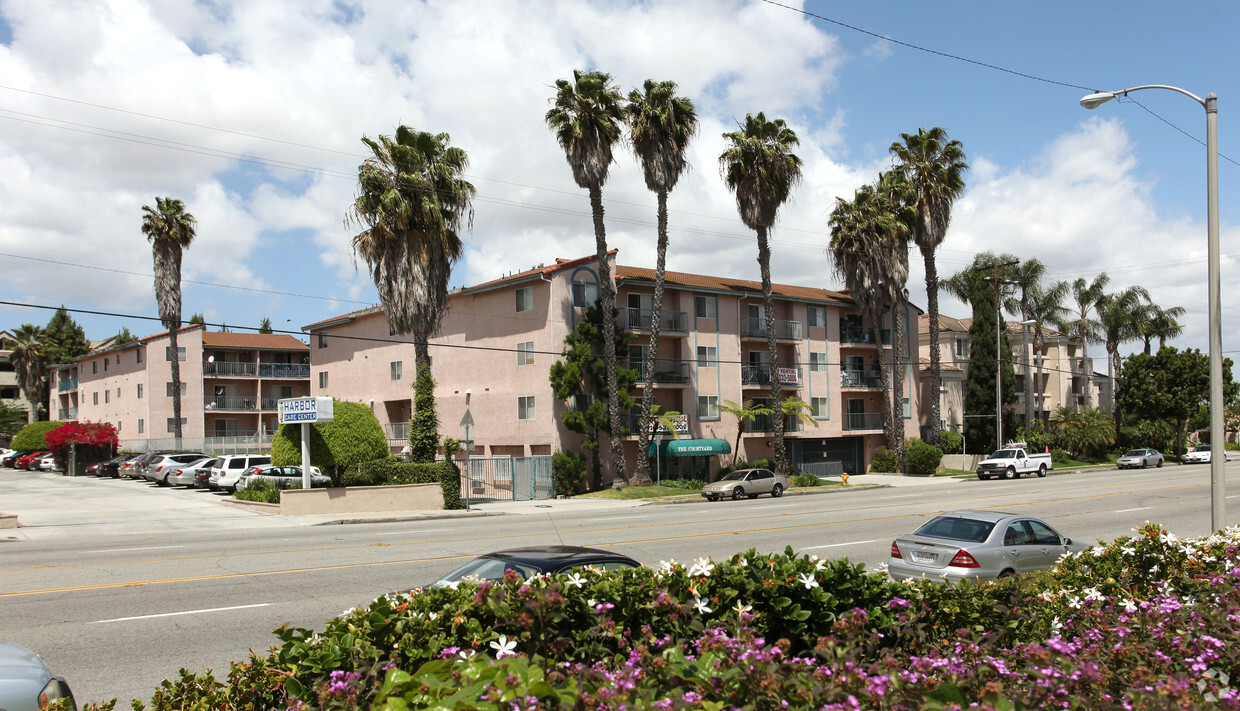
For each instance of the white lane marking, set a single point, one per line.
(1143, 508)
(186, 612)
(837, 545)
(619, 518)
(420, 530)
(125, 550)
(780, 506)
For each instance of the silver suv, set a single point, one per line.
(227, 470)
(158, 468)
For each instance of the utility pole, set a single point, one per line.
(999, 324)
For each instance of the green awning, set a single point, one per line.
(690, 447)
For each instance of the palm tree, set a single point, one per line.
(934, 168)
(869, 251)
(1118, 314)
(170, 230)
(661, 125)
(1045, 307)
(1157, 322)
(411, 204)
(760, 168)
(747, 412)
(586, 119)
(1028, 276)
(1084, 329)
(29, 361)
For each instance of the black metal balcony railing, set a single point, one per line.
(766, 423)
(270, 403)
(861, 379)
(633, 319)
(226, 369)
(67, 384)
(666, 372)
(863, 421)
(283, 370)
(242, 403)
(397, 430)
(65, 414)
(756, 328)
(761, 375)
(857, 335)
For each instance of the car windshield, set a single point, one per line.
(735, 476)
(957, 529)
(485, 569)
(1004, 454)
(1135, 453)
(1202, 448)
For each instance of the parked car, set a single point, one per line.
(5, 452)
(10, 460)
(228, 469)
(977, 545)
(138, 468)
(26, 684)
(536, 560)
(284, 477)
(24, 462)
(746, 482)
(46, 463)
(157, 469)
(129, 467)
(1011, 463)
(112, 466)
(1143, 458)
(1200, 453)
(187, 474)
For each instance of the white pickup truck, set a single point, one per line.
(1011, 463)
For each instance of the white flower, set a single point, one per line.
(820, 564)
(433, 615)
(466, 654)
(702, 566)
(1128, 550)
(1130, 606)
(808, 581)
(576, 580)
(591, 602)
(454, 584)
(666, 566)
(1056, 625)
(700, 604)
(742, 609)
(1074, 602)
(1093, 594)
(503, 647)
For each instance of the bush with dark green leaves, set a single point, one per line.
(353, 437)
(31, 438)
(951, 442)
(568, 472)
(922, 458)
(805, 480)
(885, 461)
(264, 491)
(1060, 456)
(393, 470)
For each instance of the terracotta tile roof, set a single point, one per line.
(943, 367)
(946, 323)
(256, 341)
(540, 270)
(699, 281)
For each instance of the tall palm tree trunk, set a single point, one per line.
(421, 352)
(936, 356)
(607, 300)
(176, 383)
(1089, 372)
(884, 375)
(897, 379)
(768, 306)
(656, 321)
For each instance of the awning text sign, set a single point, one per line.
(306, 410)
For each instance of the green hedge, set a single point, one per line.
(353, 437)
(885, 461)
(922, 458)
(32, 437)
(393, 470)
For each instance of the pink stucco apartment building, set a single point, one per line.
(492, 357)
(230, 383)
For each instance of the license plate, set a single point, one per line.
(920, 557)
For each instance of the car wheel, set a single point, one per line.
(1159, 464)
(777, 491)
(1042, 471)
(983, 477)
(1010, 473)
(737, 493)
(712, 498)
(1007, 573)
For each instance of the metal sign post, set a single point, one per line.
(306, 411)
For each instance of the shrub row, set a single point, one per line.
(393, 470)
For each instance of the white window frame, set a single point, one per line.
(138, 354)
(526, 407)
(168, 354)
(710, 306)
(322, 339)
(322, 380)
(139, 391)
(708, 407)
(94, 398)
(817, 362)
(184, 424)
(397, 368)
(819, 407)
(525, 299)
(816, 316)
(501, 467)
(525, 353)
(168, 389)
(708, 356)
(141, 425)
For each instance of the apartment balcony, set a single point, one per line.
(854, 421)
(231, 403)
(66, 414)
(784, 330)
(671, 322)
(763, 424)
(666, 372)
(861, 379)
(858, 336)
(255, 370)
(760, 376)
(397, 430)
(284, 370)
(66, 385)
(1082, 367)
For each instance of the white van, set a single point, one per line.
(228, 469)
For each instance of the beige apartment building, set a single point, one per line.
(1066, 375)
(492, 357)
(230, 384)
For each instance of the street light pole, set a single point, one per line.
(1217, 433)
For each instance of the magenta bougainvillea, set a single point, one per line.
(100, 436)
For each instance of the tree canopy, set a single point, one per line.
(1171, 386)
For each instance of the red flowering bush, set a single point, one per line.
(95, 441)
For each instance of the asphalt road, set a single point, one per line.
(119, 584)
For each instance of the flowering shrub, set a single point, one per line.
(95, 441)
(1105, 629)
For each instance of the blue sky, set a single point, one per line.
(251, 113)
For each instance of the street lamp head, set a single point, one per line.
(1093, 101)
(1029, 322)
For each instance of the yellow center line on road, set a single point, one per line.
(613, 544)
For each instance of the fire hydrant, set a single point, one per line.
(844, 478)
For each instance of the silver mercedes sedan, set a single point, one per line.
(977, 545)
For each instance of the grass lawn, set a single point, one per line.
(642, 492)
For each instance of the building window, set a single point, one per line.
(962, 348)
(180, 353)
(118, 425)
(141, 425)
(322, 379)
(817, 317)
(105, 365)
(398, 368)
(172, 424)
(705, 306)
(707, 357)
(138, 354)
(322, 340)
(525, 407)
(94, 398)
(818, 407)
(525, 299)
(168, 389)
(585, 293)
(107, 396)
(818, 362)
(118, 392)
(139, 391)
(708, 407)
(525, 353)
(94, 367)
